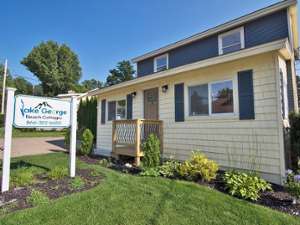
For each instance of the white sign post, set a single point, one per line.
(25, 111)
(7, 138)
(72, 160)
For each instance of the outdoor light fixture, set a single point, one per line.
(133, 94)
(165, 88)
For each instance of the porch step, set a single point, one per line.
(102, 152)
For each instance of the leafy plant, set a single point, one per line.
(58, 172)
(169, 168)
(77, 183)
(86, 142)
(198, 167)
(37, 198)
(22, 177)
(293, 185)
(104, 163)
(150, 172)
(294, 119)
(245, 185)
(151, 149)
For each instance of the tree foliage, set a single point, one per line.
(87, 115)
(123, 72)
(56, 66)
(91, 84)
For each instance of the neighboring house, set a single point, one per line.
(226, 92)
(80, 96)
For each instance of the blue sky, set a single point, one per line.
(102, 33)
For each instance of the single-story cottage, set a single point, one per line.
(226, 91)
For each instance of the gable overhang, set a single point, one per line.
(226, 26)
(282, 46)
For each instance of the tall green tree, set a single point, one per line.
(23, 86)
(91, 84)
(123, 72)
(56, 66)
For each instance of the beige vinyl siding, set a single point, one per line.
(231, 142)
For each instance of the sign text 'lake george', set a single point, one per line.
(32, 111)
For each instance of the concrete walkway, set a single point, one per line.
(34, 146)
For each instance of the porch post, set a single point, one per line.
(138, 142)
(7, 138)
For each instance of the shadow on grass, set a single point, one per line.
(160, 206)
(24, 165)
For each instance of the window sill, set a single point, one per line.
(221, 116)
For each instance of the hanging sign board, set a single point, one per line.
(35, 112)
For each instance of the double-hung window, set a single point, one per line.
(231, 41)
(117, 110)
(161, 63)
(212, 98)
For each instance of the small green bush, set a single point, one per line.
(150, 172)
(169, 168)
(104, 162)
(37, 198)
(58, 172)
(67, 138)
(22, 177)
(198, 167)
(77, 183)
(151, 149)
(294, 119)
(86, 142)
(293, 185)
(245, 185)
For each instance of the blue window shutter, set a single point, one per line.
(129, 106)
(246, 95)
(179, 102)
(103, 111)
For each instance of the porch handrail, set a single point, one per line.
(128, 135)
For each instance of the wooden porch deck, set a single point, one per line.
(128, 135)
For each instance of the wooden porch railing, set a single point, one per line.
(128, 135)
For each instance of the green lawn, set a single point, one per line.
(20, 133)
(124, 199)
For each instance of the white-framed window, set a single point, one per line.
(161, 63)
(116, 110)
(231, 41)
(211, 99)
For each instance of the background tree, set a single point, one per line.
(23, 86)
(91, 84)
(56, 66)
(9, 79)
(123, 72)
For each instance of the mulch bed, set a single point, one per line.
(15, 199)
(278, 199)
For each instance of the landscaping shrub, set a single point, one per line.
(293, 185)
(86, 142)
(77, 183)
(245, 185)
(295, 138)
(198, 167)
(22, 177)
(151, 149)
(58, 172)
(104, 162)
(150, 172)
(37, 198)
(169, 168)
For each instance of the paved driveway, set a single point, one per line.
(35, 145)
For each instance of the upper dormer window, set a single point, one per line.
(231, 41)
(161, 63)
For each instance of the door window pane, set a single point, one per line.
(198, 97)
(222, 97)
